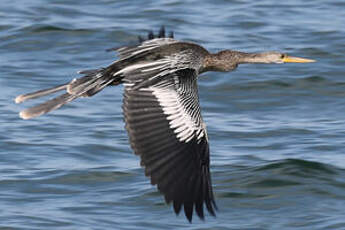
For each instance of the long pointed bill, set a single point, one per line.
(297, 59)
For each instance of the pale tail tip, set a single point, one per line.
(19, 99)
(24, 115)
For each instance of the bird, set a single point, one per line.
(161, 110)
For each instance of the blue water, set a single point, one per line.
(276, 131)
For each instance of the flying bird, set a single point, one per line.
(161, 110)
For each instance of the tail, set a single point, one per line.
(89, 85)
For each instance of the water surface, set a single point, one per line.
(276, 131)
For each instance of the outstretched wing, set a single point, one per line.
(166, 129)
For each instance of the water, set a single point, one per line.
(276, 131)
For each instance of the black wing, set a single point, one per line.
(166, 129)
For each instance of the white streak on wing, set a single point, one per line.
(127, 84)
(127, 52)
(143, 50)
(176, 98)
(185, 134)
(140, 66)
(156, 68)
(159, 41)
(178, 122)
(200, 135)
(184, 126)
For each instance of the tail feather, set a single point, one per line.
(82, 87)
(40, 93)
(84, 84)
(47, 106)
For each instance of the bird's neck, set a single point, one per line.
(244, 58)
(228, 60)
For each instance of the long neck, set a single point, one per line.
(228, 60)
(249, 58)
(252, 58)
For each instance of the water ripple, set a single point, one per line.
(276, 131)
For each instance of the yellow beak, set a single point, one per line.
(297, 59)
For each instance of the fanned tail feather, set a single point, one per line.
(47, 106)
(40, 93)
(82, 87)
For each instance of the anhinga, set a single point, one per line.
(161, 110)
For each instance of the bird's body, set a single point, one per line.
(161, 110)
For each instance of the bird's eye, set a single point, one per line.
(283, 56)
